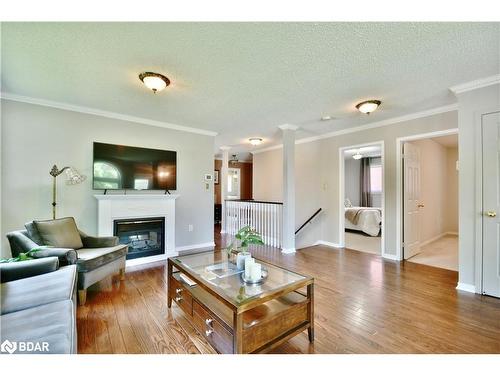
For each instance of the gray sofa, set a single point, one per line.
(38, 306)
(95, 257)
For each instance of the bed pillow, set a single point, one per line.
(59, 233)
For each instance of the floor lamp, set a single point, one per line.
(72, 178)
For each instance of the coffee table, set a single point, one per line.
(236, 317)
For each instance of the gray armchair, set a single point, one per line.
(95, 257)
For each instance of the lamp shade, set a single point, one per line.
(73, 177)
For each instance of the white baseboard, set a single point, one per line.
(151, 259)
(288, 251)
(390, 256)
(451, 233)
(466, 287)
(327, 243)
(195, 246)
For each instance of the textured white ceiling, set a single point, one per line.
(245, 79)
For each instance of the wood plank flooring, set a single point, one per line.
(363, 304)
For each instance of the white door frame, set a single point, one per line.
(399, 182)
(342, 194)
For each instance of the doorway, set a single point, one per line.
(429, 199)
(362, 195)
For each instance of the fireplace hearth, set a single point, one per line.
(145, 236)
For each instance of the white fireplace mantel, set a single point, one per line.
(127, 206)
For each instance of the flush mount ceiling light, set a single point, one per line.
(357, 156)
(368, 106)
(326, 118)
(154, 81)
(255, 141)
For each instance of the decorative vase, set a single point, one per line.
(240, 259)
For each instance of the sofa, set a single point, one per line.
(38, 307)
(95, 257)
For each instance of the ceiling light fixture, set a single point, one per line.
(255, 141)
(357, 156)
(326, 118)
(154, 81)
(368, 106)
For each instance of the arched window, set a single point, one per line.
(106, 176)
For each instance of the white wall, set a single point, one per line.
(35, 137)
(325, 183)
(352, 173)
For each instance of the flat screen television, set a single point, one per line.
(124, 167)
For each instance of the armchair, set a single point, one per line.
(95, 257)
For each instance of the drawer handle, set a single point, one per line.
(178, 290)
(208, 322)
(178, 299)
(208, 332)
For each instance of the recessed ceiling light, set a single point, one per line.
(154, 81)
(357, 156)
(326, 118)
(368, 106)
(255, 141)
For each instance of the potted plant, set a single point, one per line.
(22, 256)
(245, 236)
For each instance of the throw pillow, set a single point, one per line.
(59, 233)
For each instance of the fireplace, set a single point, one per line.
(145, 236)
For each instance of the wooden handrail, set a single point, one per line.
(251, 201)
(308, 220)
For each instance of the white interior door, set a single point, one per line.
(233, 183)
(491, 204)
(411, 199)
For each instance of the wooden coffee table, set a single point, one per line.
(236, 317)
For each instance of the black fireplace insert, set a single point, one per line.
(145, 236)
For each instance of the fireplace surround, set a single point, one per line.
(130, 207)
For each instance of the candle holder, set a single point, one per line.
(262, 279)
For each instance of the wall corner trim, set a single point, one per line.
(474, 85)
(466, 287)
(102, 113)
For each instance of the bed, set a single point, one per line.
(364, 219)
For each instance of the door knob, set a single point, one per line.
(491, 214)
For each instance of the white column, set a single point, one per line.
(223, 185)
(288, 132)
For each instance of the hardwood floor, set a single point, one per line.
(363, 304)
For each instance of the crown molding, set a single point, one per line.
(101, 113)
(373, 125)
(477, 84)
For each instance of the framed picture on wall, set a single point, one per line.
(216, 177)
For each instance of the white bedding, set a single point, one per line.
(369, 220)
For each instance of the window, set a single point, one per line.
(376, 178)
(106, 176)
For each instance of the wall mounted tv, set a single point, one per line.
(124, 167)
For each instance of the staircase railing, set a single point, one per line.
(308, 220)
(265, 217)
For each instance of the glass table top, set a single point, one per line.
(215, 270)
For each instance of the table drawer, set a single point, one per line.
(181, 296)
(206, 323)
